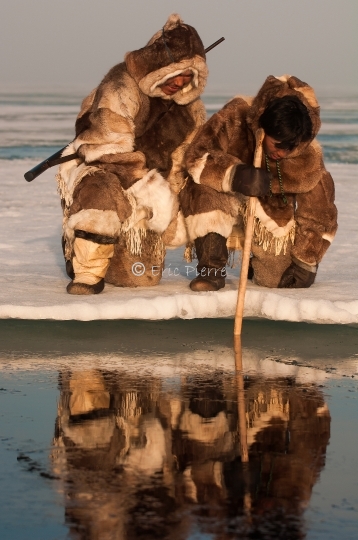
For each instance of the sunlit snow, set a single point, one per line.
(33, 280)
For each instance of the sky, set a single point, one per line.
(71, 44)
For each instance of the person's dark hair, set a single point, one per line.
(287, 120)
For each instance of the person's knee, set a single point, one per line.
(101, 191)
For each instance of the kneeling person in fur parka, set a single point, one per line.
(297, 220)
(120, 197)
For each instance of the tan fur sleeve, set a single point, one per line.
(107, 127)
(210, 159)
(316, 221)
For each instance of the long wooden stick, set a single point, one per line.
(248, 240)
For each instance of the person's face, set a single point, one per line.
(270, 148)
(172, 85)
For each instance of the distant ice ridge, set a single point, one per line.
(33, 281)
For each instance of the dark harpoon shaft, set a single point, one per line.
(57, 158)
(214, 44)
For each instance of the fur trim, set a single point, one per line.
(180, 237)
(94, 152)
(153, 192)
(270, 224)
(134, 242)
(170, 74)
(282, 86)
(302, 264)
(150, 83)
(227, 180)
(328, 237)
(215, 221)
(173, 20)
(309, 95)
(264, 238)
(196, 170)
(189, 253)
(70, 175)
(105, 222)
(107, 125)
(283, 78)
(268, 234)
(172, 45)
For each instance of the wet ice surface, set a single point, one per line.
(130, 429)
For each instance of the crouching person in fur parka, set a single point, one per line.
(120, 197)
(296, 221)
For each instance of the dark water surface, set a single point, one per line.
(132, 429)
(36, 125)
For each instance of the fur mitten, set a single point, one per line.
(297, 277)
(251, 181)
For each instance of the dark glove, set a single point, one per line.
(296, 277)
(251, 181)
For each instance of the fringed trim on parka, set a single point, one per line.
(275, 241)
(189, 253)
(134, 242)
(268, 241)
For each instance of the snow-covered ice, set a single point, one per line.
(33, 279)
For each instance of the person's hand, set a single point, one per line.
(251, 181)
(296, 277)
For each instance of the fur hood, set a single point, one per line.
(286, 85)
(173, 49)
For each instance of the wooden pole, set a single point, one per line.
(248, 240)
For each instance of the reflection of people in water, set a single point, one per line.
(138, 461)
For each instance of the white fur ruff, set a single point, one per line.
(150, 83)
(154, 193)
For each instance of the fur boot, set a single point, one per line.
(90, 264)
(212, 256)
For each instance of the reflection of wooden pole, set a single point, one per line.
(248, 240)
(242, 426)
(241, 400)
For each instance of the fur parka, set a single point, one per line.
(130, 142)
(309, 219)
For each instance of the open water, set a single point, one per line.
(131, 429)
(37, 125)
(141, 430)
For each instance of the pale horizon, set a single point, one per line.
(69, 47)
